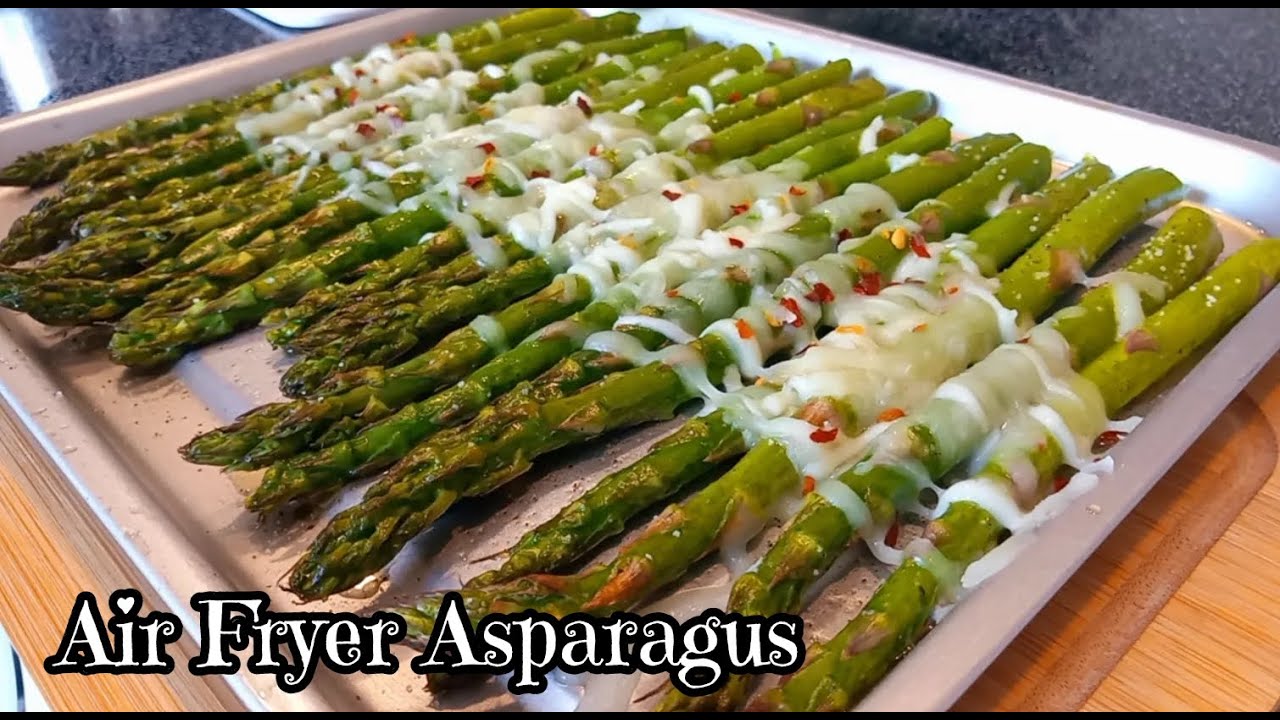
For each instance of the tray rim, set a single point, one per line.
(1240, 361)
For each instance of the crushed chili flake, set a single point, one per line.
(920, 328)
(585, 106)
(797, 191)
(594, 151)
(844, 234)
(671, 195)
(1108, 440)
(745, 331)
(366, 130)
(673, 293)
(1060, 481)
(953, 290)
(740, 208)
(793, 307)
(358, 72)
(891, 535)
(734, 96)
(854, 329)
(918, 247)
(809, 484)
(891, 414)
(824, 435)
(474, 181)
(868, 284)
(821, 293)
(352, 96)
(384, 107)
(488, 148)
(539, 173)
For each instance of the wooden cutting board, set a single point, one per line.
(1179, 610)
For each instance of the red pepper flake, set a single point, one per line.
(824, 435)
(585, 106)
(793, 307)
(953, 290)
(473, 181)
(366, 130)
(920, 328)
(1108, 440)
(671, 195)
(734, 96)
(809, 484)
(868, 284)
(891, 414)
(891, 535)
(673, 293)
(820, 294)
(740, 208)
(384, 107)
(352, 96)
(735, 242)
(488, 148)
(358, 72)
(844, 234)
(539, 173)
(797, 191)
(745, 331)
(1060, 481)
(918, 247)
(594, 151)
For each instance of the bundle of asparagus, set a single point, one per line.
(650, 222)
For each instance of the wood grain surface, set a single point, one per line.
(1179, 610)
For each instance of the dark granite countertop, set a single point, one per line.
(1210, 67)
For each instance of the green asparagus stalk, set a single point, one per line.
(465, 350)
(841, 671)
(603, 510)
(909, 104)
(414, 493)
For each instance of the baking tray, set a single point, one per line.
(114, 434)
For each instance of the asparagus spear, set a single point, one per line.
(841, 671)
(414, 493)
(466, 349)
(44, 166)
(603, 510)
(823, 528)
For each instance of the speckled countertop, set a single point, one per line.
(1211, 67)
